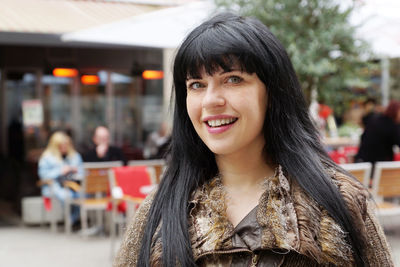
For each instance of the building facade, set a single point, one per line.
(105, 84)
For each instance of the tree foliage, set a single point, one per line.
(320, 41)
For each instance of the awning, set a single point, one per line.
(62, 16)
(379, 20)
(164, 28)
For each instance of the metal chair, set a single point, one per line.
(94, 194)
(386, 192)
(362, 171)
(154, 165)
(130, 185)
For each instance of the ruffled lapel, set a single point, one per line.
(211, 231)
(277, 216)
(290, 220)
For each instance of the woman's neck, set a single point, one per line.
(243, 170)
(242, 175)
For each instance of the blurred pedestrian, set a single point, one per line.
(157, 143)
(381, 133)
(103, 151)
(248, 182)
(368, 111)
(59, 163)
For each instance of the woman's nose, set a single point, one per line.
(214, 97)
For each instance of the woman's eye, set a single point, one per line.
(234, 79)
(195, 85)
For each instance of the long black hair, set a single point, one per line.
(291, 138)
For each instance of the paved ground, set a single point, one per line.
(394, 241)
(38, 247)
(34, 246)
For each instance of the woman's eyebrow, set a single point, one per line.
(229, 70)
(193, 78)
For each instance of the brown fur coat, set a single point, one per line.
(288, 221)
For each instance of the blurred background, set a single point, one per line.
(72, 65)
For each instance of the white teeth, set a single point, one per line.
(219, 122)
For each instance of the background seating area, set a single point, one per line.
(384, 186)
(362, 171)
(93, 194)
(108, 195)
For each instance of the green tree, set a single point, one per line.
(320, 41)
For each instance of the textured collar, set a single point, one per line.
(289, 220)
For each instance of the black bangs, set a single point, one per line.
(211, 64)
(215, 47)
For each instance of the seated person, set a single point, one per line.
(157, 143)
(60, 162)
(102, 150)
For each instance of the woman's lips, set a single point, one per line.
(219, 129)
(219, 124)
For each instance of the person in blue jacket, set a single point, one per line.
(58, 163)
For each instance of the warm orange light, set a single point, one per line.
(63, 72)
(90, 79)
(152, 74)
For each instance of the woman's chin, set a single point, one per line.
(221, 150)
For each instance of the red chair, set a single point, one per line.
(338, 157)
(350, 152)
(129, 187)
(133, 180)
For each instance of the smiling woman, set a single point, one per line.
(248, 182)
(227, 110)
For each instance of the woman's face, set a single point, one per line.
(227, 110)
(63, 147)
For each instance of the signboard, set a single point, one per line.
(32, 112)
